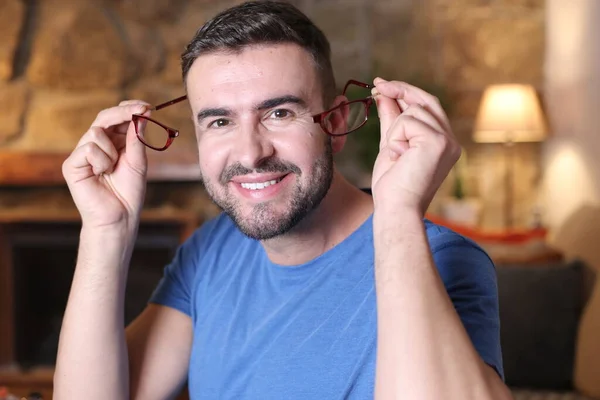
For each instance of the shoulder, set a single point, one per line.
(459, 260)
(469, 276)
(441, 238)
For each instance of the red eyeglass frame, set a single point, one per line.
(317, 118)
(172, 133)
(367, 101)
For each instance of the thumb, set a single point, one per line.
(387, 109)
(135, 150)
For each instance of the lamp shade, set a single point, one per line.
(509, 113)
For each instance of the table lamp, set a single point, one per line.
(509, 113)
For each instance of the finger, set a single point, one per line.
(119, 142)
(387, 110)
(411, 131)
(121, 129)
(396, 142)
(135, 150)
(114, 116)
(134, 102)
(422, 114)
(414, 95)
(403, 105)
(395, 149)
(415, 133)
(101, 139)
(90, 155)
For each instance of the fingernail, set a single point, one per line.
(380, 80)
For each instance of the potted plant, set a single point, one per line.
(458, 207)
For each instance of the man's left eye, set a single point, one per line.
(281, 113)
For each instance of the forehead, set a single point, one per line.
(252, 75)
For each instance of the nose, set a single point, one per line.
(252, 146)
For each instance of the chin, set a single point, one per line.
(261, 222)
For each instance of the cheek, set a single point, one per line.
(304, 141)
(302, 152)
(212, 159)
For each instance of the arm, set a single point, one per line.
(92, 355)
(160, 339)
(436, 347)
(159, 343)
(147, 361)
(424, 351)
(106, 175)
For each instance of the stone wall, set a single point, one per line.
(61, 61)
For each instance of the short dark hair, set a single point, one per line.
(263, 22)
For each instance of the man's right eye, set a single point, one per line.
(219, 123)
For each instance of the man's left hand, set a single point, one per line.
(417, 147)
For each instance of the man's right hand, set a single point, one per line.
(106, 173)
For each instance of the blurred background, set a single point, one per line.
(519, 79)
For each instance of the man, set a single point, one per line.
(306, 287)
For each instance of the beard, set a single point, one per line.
(264, 221)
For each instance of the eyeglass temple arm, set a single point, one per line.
(182, 98)
(357, 83)
(168, 103)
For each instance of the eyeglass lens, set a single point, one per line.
(346, 118)
(152, 134)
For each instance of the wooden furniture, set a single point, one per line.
(515, 246)
(25, 231)
(43, 169)
(21, 384)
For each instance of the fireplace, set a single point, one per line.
(39, 236)
(43, 262)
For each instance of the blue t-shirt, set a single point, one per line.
(265, 331)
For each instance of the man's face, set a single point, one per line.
(263, 160)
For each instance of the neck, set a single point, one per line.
(342, 211)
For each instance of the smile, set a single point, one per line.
(260, 185)
(262, 188)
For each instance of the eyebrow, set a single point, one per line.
(265, 105)
(213, 112)
(277, 101)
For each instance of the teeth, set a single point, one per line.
(261, 185)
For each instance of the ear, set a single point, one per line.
(338, 123)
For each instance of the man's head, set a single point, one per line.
(260, 23)
(255, 75)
